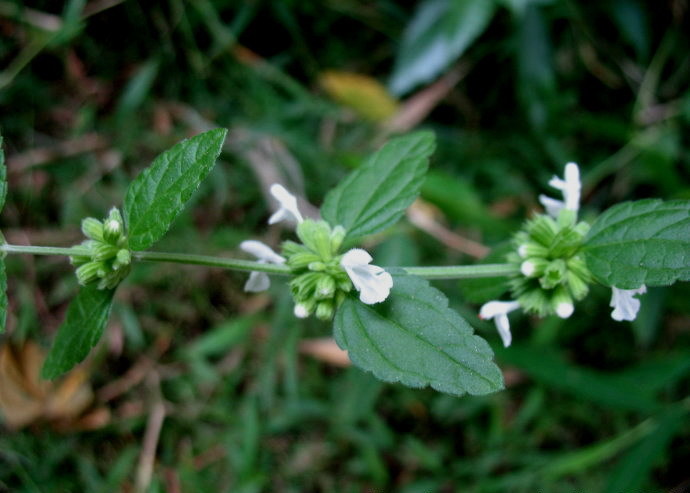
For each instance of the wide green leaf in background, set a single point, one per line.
(156, 197)
(375, 195)
(82, 329)
(440, 31)
(643, 242)
(3, 274)
(415, 339)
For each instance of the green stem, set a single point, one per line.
(209, 261)
(44, 250)
(436, 272)
(463, 271)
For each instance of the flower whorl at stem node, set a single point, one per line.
(107, 259)
(323, 276)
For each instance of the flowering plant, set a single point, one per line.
(391, 321)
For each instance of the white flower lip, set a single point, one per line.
(625, 305)
(498, 311)
(259, 281)
(288, 206)
(373, 282)
(571, 188)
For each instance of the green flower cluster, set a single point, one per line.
(552, 273)
(320, 284)
(107, 258)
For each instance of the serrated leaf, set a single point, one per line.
(82, 329)
(440, 31)
(157, 196)
(643, 242)
(375, 195)
(415, 339)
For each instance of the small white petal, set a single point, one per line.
(373, 282)
(571, 188)
(498, 310)
(288, 205)
(257, 282)
(261, 251)
(564, 310)
(625, 305)
(552, 206)
(301, 311)
(503, 327)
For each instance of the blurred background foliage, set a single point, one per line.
(199, 386)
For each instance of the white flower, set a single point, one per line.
(373, 283)
(288, 205)
(625, 305)
(499, 310)
(259, 281)
(570, 186)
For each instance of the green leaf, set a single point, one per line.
(157, 196)
(440, 31)
(643, 242)
(375, 195)
(83, 326)
(415, 339)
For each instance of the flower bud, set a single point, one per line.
(325, 287)
(542, 229)
(337, 237)
(316, 236)
(534, 267)
(92, 228)
(88, 272)
(562, 303)
(123, 258)
(317, 266)
(104, 251)
(303, 310)
(112, 230)
(301, 260)
(578, 288)
(532, 249)
(324, 310)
